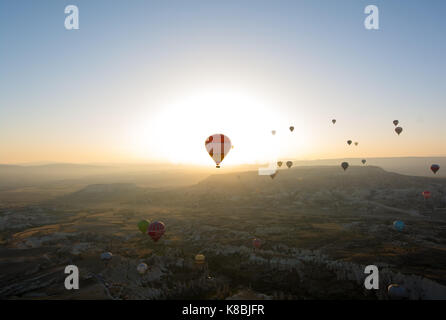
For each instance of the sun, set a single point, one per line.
(178, 133)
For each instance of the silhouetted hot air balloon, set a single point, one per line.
(426, 194)
(333, 121)
(398, 130)
(356, 143)
(395, 122)
(256, 243)
(344, 165)
(218, 146)
(363, 161)
(289, 164)
(279, 163)
(435, 168)
(349, 142)
(273, 132)
(156, 230)
(398, 225)
(291, 128)
(143, 225)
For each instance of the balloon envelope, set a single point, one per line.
(426, 194)
(256, 243)
(291, 128)
(344, 165)
(395, 122)
(398, 225)
(218, 146)
(156, 230)
(273, 132)
(356, 143)
(363, 161)
(334, 121)
(435, 168)
(289, 164)
(349, 142)
(200, 258)
(398, 130)
(142, 268)
(106, 255)
(143, 225)
(279, 163)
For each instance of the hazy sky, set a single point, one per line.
(150, 80)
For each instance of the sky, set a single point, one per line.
(149, 81)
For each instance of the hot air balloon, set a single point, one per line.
(273, 175)
(333, 121)
(143, 225)
(344, 165)
(218, 146)
(395, 122)
(200, 259)
(356, 143)
(435, 168)
(349, 142)
(398, 225)
(396, 291)
(156, 230)
(106, 256)
(279, 163)
(398, 130)
(289, 164)
(257, 243)
(426, 194)
(291, 128)
(363, 161)
(273, 132)
(142, 268)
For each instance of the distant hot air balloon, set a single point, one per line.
(156, 230)
(426, 194)
(142, 268)
(291, 128)
(273, 132)
(200, 258)
(279, 163)
(256, 243)
(356, 143)
(344, 165)
(106, 256)
(398, 225)
(363, 161)
(218, 146)
(349, 142)
(435, 168)
(289, 164)
(398, 130)
(143, 225)
(396, 291)
(395, 122)
(333, 121)
(273, 175)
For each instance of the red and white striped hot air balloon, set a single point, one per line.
(218, 146)
(156, 230)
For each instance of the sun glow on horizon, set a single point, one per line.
(178, 132)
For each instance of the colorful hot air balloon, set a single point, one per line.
(349, 142)
(200, 258)
(291, 128)
(356, 143)
(218, 146)
(426, 194)
(156, 230)
(363, 161)
(333, 121)
(256, 243)
(279, 163)
(398, 130)
(344, 165)
(435, 168)
(395, 122)
(273, 132)
(142, 268)
(289, 164)
(143, 225)
(398, 225)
